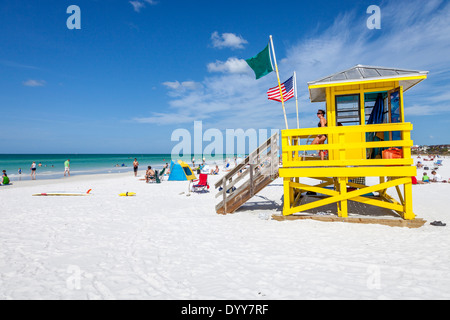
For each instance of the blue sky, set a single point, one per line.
(138, 70)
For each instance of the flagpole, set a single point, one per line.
(296, 100)
(279, 82)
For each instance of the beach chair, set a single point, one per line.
(161, 174)
(227, 168)
(202, 183)
(438, 163)
(156, 178)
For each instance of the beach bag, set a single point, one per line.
(426, 168)
(393, 153)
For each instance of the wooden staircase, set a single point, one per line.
(248, 178)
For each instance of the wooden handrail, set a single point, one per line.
(263, 147)
(265, 153)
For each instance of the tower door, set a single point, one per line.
(348, 113)
(394, 110)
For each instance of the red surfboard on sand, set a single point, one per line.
(67, 194)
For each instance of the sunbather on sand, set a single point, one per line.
(436, 177)
(415, 181)
(216, 171)
(5, 180)
(149, 174)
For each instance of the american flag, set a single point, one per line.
(287, 88)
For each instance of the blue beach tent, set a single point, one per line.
(180, 171)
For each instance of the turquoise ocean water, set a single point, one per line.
(52, 165)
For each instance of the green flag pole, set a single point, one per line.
(279, 82)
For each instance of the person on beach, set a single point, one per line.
(149, 174)
(33, 171)
(5, 179)
(167, 171)
(67, 167)
(436, 177)
(135, 166)
(415, 181)
(3, 175)
(216, 171)
(425, 178)
(321, 138)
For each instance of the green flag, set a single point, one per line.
(261, 63)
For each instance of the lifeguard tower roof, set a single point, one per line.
(361, 73)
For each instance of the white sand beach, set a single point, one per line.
(163, 244)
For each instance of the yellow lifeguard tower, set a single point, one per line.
(367, 136)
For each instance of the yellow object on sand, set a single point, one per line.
(127, 194)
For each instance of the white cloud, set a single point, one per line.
(220, 101)
(172, 85)
(138, 5)
(232, 65)
(190, 85)
(427, 110)
(227, 40)
(177, 87)
(34, 83)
